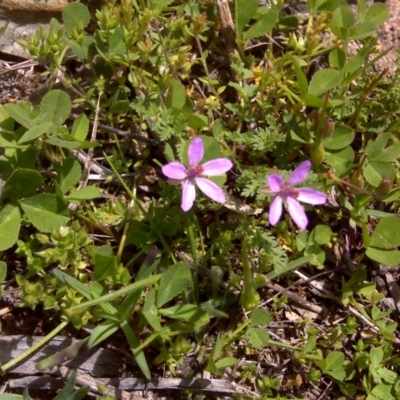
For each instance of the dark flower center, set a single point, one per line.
(195, 171)
(289, 192)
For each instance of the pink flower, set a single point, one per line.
(291, 196)
(189, 176)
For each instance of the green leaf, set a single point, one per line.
(186, 312)
(382, 391)
(341, 160)
(46, 211)
(55, 107)
(260, 317)
(264, 25)
(226, 362)
(16, 112)
(258, 337)
(389, 257)
(3, 270)
(86, 193)
(290, 266)
(320, 235)
(244, 11)
(387, 234)
(21, 183)
(376, 357)
(341, 137)
(337, 58)
(176, 97)
(334, 365)
(377, 14)
(343, 17)
(10, 222)
(80, 127)
(105, 263)
(329, 5)
(375, 172)
(66, 144)
(35, 132)
(374, 148)
(116, 42)
(323, 81)
(75, 16)
(134, 343)
(150, 311)
(301, 77)
(173, 282)
(68, 174)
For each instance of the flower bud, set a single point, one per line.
(383, 189)
(317, 154)
(328, 128)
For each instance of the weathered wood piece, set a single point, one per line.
(97, 362)
(221, 386)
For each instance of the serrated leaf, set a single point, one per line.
(10, 223)
(17, 113)
(260, 317)
(80, 127)
(46, 211)
(375, 172)
(258, 337)
(264, 25)
(173, 282)
(35, 132)
(55, 107)
(21, 183)
(323, 81)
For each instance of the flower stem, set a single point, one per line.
(250, 298)
(142, 210)
(192, 241)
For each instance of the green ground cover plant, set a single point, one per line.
(219, 175)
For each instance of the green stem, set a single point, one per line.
(33, 348)
(192, 241)
(142, 210)
(250, 298)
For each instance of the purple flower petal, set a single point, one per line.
(275, 210)
(188, 195)
(297, 213)
(311, 196)
(196, 151)
(275, 182)
(211, 190)
(175, 170)
(300, 173)
(216, 167)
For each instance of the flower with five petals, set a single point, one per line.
(290, 196)
(193, 175)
